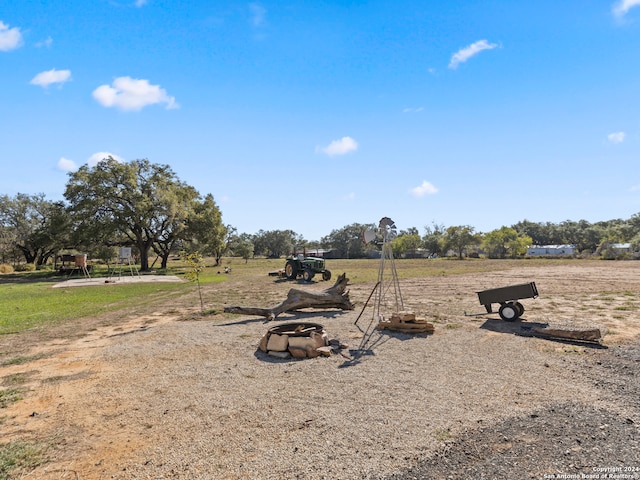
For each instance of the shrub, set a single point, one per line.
(5, 268)
(611, 253)
(25, 267)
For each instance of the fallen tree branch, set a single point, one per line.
(568, 330)
(336, 296)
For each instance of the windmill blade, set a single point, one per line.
(369, 235)
(387, 228)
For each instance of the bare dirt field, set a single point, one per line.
(169, 394)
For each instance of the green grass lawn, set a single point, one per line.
(30, 302)
(26, 306)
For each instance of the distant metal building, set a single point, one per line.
(416, 253)
(622, 247)
(551, 250)
(317, 252)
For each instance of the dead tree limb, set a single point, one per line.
(336, 296)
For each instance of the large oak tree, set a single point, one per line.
(142, 202)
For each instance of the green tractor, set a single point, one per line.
(305, 267)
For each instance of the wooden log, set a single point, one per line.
(336, 296)
(572, 331)
(407, 327)
(406, 322)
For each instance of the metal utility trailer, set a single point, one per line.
(507, 297)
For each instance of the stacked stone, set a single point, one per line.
(292, 344)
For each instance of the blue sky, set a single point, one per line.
(312, 115)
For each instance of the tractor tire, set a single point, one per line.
(326, 275)
(307, 275)
(291, 270)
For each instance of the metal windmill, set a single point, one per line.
(387, 290)
(388, 298)
(388, 293)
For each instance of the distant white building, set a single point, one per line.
(550, 250)
(621, 247)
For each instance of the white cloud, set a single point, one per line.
(634, 188)
(349, 196)
(616, 137)
(140, 3)
(622, 7)
(66, 165)
(413, 110)
(99, 156)
(45, 43)
(44, 79)
(426, 188)
(128, 93)
(466, 53)
(258, 14)
(69, 165)
(339, 147)
(10, 38)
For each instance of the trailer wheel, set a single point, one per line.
(508, 312)
(520, 308)
(326, 275)
(307, 275)
(290, 270)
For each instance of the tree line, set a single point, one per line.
(504, 242)
(147, 207)
(461, 240)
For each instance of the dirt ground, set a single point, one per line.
(172, 395)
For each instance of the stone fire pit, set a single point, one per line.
(297, 340)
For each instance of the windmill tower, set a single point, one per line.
(388, 295)
(388, 308)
